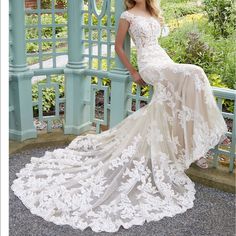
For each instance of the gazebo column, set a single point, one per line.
(21, 124)
(77, 86)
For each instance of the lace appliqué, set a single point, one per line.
(126, 154)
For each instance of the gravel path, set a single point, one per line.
(213, 213)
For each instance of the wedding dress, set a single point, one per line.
(133, 172)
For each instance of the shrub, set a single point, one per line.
(193, 19)
(48, 98)
(175, 9)
(222, 14)
(197, 51)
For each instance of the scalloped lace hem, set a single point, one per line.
(136, 221)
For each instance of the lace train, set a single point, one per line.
(125, 178)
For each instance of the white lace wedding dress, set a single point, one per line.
(133, 172)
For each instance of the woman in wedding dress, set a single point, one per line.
(119, 178)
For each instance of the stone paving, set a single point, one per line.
(213, 213)
(62, 60)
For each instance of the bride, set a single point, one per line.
(133, 172)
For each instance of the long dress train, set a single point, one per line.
(133, 172)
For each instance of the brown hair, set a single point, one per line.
(152, 6)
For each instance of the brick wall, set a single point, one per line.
(33, 4)
(30, 3)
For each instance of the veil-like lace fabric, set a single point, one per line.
(125, 178)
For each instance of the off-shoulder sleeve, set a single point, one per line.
(125, 15)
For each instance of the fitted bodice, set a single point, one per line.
(145, 31)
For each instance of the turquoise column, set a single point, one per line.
(77, 85)
(233, 145)
(21, 125)
(120, 78)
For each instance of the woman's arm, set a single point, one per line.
(119, 41)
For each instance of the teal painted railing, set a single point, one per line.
(87, 46)
(220, 94)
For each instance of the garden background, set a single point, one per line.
(201, 33)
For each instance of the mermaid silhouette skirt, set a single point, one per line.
(133, 172)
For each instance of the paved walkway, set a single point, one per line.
(62, 60)
(213, 213)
